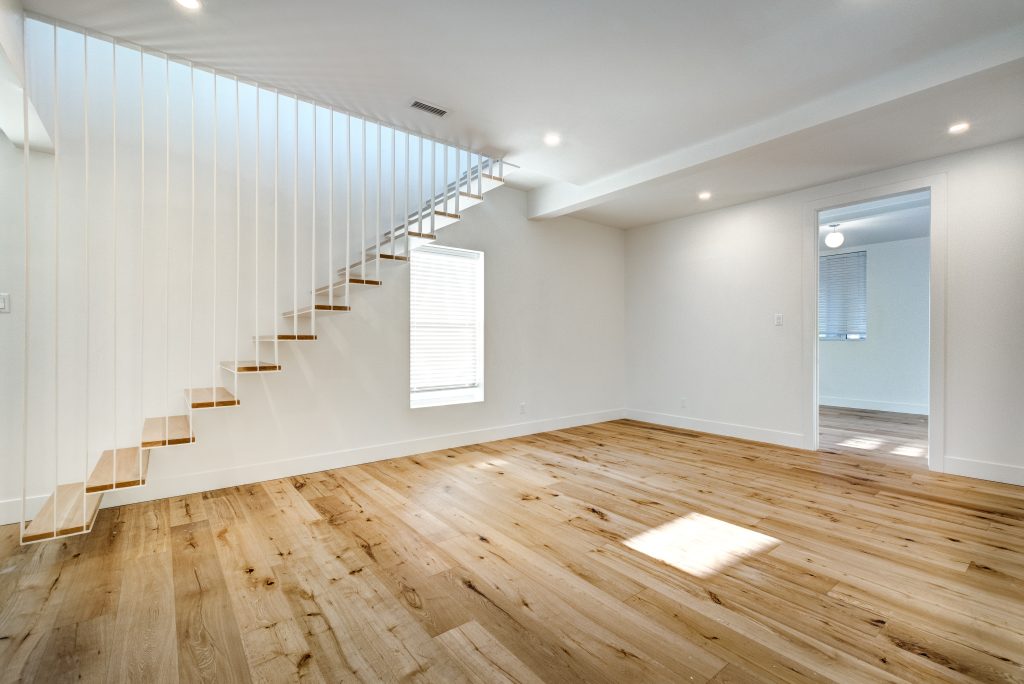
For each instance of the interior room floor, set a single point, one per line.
(617, 552)
(873, 433)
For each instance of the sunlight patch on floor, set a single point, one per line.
(907, 451)
(861, 443)
(491, 464)
(700, 545)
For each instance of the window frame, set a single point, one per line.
(843, 336)
(450, 395)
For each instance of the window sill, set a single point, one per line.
(446, 397)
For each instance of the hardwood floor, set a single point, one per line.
(873, 433)
(536, 559)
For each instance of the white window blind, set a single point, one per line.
(842, 296)
(446, 326)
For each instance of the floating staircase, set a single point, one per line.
(399, 190)
(72, 509)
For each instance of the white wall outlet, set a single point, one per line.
(682, 403)
(522, 408)
(779, 320)
(5, 302)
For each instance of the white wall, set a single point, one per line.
(554, 340)
(702, 292)
(113, 315)
(11, 19)
(889, 370)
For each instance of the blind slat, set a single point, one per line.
(446, 319)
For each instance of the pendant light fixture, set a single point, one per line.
(835, 239)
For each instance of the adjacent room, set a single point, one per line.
(873, 326)
(537, 342)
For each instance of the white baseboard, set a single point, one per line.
(10, 509)
(871, 405)
(984, 470)
(790, 439)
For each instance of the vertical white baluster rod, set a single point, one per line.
(419, 187)
(238, 228)
(26, 162)
(192, 232)
(394, 189)
(377, 217)
(433, 184)
(142, 243)
(56, 284)
(113, 145)
(216, 224)
(458, 177)
(167, 255)
(295, 225)
(330, 216)
(348, 203)
(256, 223)
(88, 260)
(277, 216)
(312, 247)
(444, 180)
(408, 189)
(362, 230)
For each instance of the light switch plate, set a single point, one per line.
(778, 319)
(5, 302)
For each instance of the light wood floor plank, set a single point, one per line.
(613, 552)
(208, 641)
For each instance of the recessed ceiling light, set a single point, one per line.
(959, 127)
(704, 195)
(552, 139)
(190, 4)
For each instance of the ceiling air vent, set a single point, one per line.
(429, 108)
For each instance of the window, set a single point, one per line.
(446, 342)
(842, 296)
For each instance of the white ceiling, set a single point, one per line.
(640, 91)
(887, 219)
(901, 131)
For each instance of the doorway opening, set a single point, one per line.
(873, 337)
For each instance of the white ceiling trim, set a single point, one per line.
(560, 198)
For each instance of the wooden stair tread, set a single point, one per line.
(341, 283)
(131, 470)
(67, 501)
(319, 307)
(366, 267)
(250, 367)
(166, 431)
(422, 236)
(211, 397)
(286, 338)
